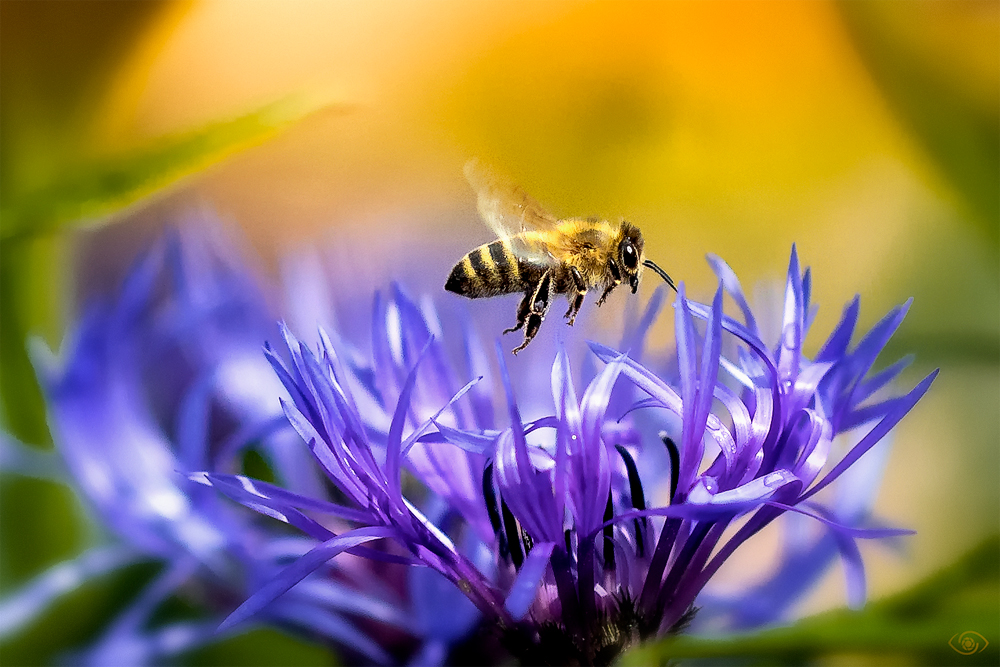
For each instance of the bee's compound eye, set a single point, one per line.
(629, 256)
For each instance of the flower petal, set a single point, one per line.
(642, 377)
(192, 424)
(529, 578)
(23, 606)
(635, 336)
(858, 533)
(478, 365)
(875, 340)
(878, 432)
(790, 345)
(754, 491)
(473, 442)
(836, 345)
(27, 461)
(732, 285)
(419, 432)
(301, 568)
(854, 570)
(816, 450)
(879, 380)
(355, 600)
(246, 490)
(328, 624)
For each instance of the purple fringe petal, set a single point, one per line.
(302, 568)
(529, 578)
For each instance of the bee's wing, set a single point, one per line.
(511, 213)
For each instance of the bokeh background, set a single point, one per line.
(866, 132)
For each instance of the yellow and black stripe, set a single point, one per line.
(489, 270)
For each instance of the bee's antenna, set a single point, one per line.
(660, 272)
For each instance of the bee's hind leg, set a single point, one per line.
(522, 312)
(539, 305)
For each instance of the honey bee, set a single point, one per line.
(540, 255)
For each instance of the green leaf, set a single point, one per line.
(31, 291)
(263, 648)
(952, 348)
(33, 257)
(87, 194)
(914, 627)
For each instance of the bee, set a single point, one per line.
(541, 256)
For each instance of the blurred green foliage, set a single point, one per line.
(913, 627)
(32, 261)
(937, 65)
(82, 195)
(58, 62)
(262, 648)
(79, 617)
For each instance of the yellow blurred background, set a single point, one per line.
(865, 132)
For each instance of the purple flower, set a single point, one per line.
(556, 545)
(163, 380)
(784, 414)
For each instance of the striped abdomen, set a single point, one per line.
(490, 270)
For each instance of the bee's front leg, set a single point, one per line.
(616, 280)
(539, 306)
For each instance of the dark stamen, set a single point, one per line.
(491, 509)
(490, 498)
(569, 541)
(675, 463)
(513, 539)
(609, 531)
(660, 272)
(638, 500)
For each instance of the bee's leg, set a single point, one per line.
(574, 308)
(539, 306)
(575, 301)
(522, 312)
(616, 276)
(616, 280)
(607, 291)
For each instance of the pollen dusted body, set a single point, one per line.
(574, 258)
(541, 256)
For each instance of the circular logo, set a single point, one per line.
(968, 643)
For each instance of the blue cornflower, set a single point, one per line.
(783, 416)
(557, 547)
(165, 379)
(852, 401)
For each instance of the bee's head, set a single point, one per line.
(630, 254)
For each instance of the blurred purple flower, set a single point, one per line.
(544, 525)
(165, 379)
